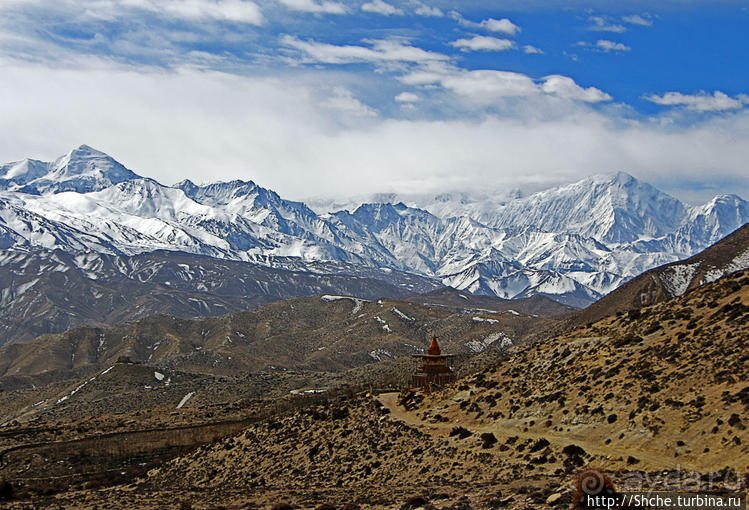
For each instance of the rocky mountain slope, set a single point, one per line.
(636, 395)
(657, 397)
(50, 291)
(459, 300)
(573, 243)
(672, 280)
(320, 333)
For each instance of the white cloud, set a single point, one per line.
(315, 6)
(208, 126)
(488, 86)
(532, 49)
(480, 86)
(407, 97)
(601, 24)
(344, 101)
(232, 10)
(381, 7)
(503, 25)
(243, 11)
(609, 46)
(644, 20)
(425, 10)
(381, 51)
(484, 43)
(702, 101)
(565, 87)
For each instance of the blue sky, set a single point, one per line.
(321, 97)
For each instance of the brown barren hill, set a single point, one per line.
(653, 397)
(329, 333)
(456, 299)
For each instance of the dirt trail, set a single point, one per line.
(503, 430)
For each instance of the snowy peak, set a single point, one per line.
(728, 212)
(611, 209)
(248, 200)
(575, 242)
(82, 170)
(88, 164)
(22, 171)
(714, 220)
(147, 198)
(219, 193)
(378, 216)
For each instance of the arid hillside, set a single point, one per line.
(317, 333)
(656, 397)
(653, 397)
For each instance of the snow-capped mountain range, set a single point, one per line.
(574, 243)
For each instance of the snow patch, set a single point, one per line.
(185, 399)
(378, 354)
(676, 279)
(483, 344)
(22, 288)
(402, 315)
(312, 391)
(80, 386)
(740, 262)
(358, 302)
(383, 324)
(482, 319)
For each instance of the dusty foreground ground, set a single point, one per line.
(374, 453)
(657, 398)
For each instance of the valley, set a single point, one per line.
(656, 397)
(217, 346)
(374, 255)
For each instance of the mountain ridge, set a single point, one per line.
(675, 279)
(574, 243)
(51, 291)
(83, 169)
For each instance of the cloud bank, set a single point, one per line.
(302, 139)
(314, 97)
(702, 101)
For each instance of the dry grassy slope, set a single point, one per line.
(661, 384)
(336, 452)
(303, 333)
(135, 388)
(118, 389)
(649, 288)
(653, 391)
(135, 397)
